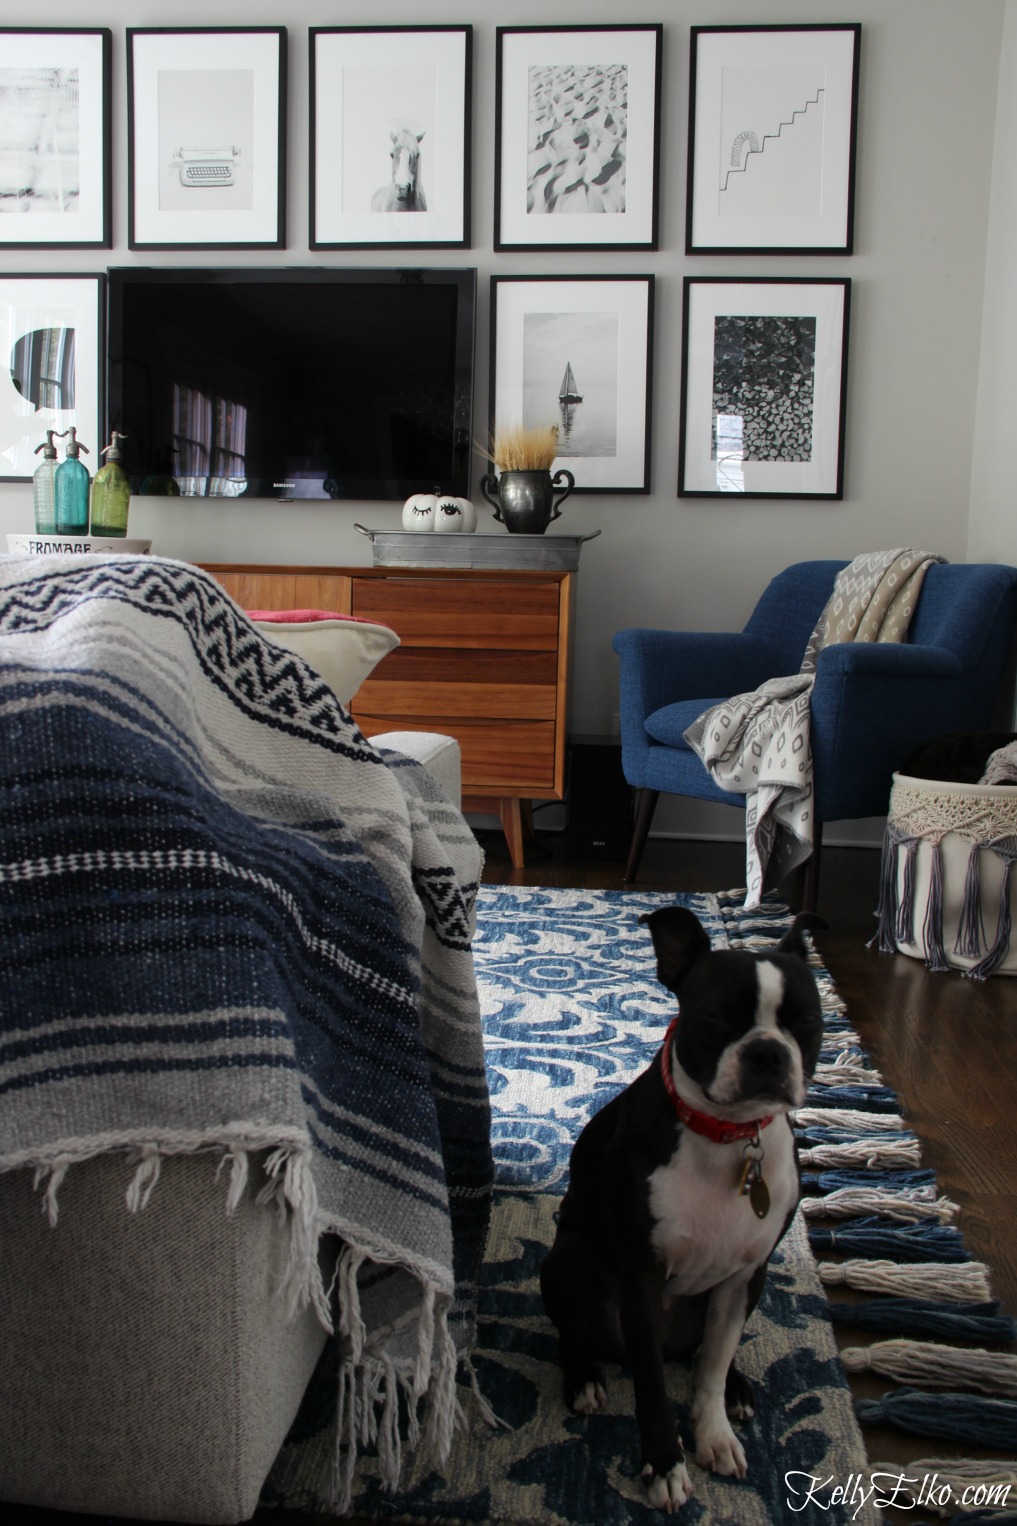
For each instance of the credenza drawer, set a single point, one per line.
(439, 613)
(462, 681)
(499, 758)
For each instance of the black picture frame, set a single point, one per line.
(55, 191)
(52, 326)
(600, 326)
(596, 164)
(772, 142)
(763, 387)
(408, 92)
(206, 137)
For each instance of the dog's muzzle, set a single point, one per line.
(767, 1070)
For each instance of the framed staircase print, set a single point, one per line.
(763, 391)
(206, 137)
(773, 114)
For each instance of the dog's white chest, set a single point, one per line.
(705, 1230)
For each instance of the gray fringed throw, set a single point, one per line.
(230, 925)
(757, 744)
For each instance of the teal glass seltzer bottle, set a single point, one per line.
(72, 484)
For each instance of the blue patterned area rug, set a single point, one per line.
(573, 1012)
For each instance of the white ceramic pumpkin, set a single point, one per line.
(454, 515)
(419, 510)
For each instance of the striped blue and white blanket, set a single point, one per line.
(231, 924)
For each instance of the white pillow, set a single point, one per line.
(342, 649)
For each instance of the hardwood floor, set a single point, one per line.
(947, 1045)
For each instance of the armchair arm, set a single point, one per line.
(894, 660)
(662, 667)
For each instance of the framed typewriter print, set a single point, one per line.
(390, 137)
(763, 388)
(50, 328)
(55, 132)
(772, 128)
(576, 352)
(206, 134)
(577, 137)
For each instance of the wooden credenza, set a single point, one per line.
(484, 656)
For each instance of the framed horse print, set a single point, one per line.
(206, 137)
(390, 137)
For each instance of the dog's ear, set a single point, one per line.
(679, 939)
(792, 941)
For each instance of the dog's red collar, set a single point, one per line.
(720, 1130)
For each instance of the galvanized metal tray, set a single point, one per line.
(403, 548)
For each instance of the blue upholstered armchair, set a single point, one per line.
(872, 703)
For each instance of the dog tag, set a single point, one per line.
(759, 1196)
(754, 1188)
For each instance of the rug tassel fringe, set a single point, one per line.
(976, 1483)
(874, 1237)
(965, 1283)
(847, 1118)
(846, 1068)
(960, 1416)
(869, 1153)
(924, 1316)
(907, 1207)
(935, 1366)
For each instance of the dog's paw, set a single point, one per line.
(589, 1399)
(667, 1491)
(718, 1448)
(739, 1400)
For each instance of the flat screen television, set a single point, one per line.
(293, 383)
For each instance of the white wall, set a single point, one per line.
(992, 526)
(929, 72)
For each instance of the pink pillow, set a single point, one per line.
(342, 649)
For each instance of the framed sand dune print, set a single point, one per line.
(577, 137)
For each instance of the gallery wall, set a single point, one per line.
(927, 200)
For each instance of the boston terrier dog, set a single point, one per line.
(679, 1190)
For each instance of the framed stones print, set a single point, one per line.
(763, 387)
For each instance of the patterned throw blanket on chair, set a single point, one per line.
(757, 744)
(230, 924)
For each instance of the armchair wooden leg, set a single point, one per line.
(646, 801)
(810, 885)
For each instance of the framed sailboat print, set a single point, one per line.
(575, 352)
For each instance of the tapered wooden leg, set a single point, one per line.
(517, 824)
(646, 802)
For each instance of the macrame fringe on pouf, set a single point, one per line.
(945, 888)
